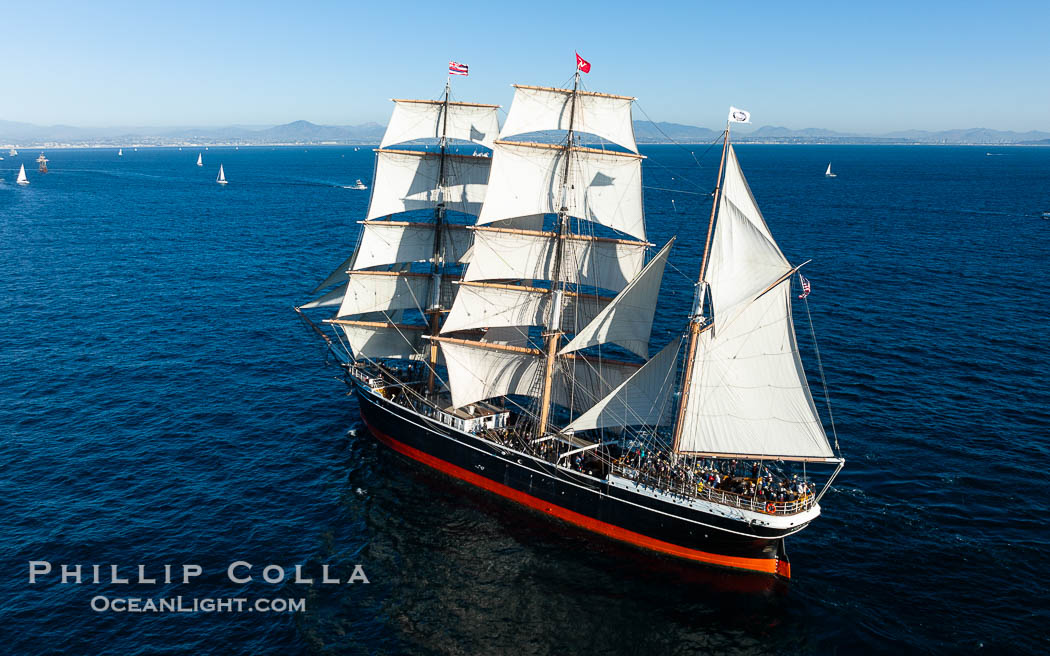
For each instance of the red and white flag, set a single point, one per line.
(582, 64)
(455, 68)
(805, 286)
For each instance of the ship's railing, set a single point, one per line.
(698, 490)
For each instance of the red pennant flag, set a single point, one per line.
(582, 64)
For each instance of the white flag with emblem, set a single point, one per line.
(739, 115)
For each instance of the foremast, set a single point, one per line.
(435, 310)
(382, 283)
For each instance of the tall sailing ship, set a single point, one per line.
(494, 323)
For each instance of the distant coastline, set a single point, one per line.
(304, 133)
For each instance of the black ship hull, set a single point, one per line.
(637, 517)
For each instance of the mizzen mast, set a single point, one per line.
(696, 317)
(744, 392)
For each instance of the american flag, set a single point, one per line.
(805, 286)
(455, 68)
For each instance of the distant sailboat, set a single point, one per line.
(120, 152)
(200, 162)
(222, 176)
(828, 173)
(42, 161)
(12, 152)
(22, 179)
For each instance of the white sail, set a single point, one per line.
(528, 255)
(380, 291)
(641, 400)
(390, 242)
(338, 275)
(425, 119)
(200, 162)
(604, 187)
(22, 179)
(488, 305)
(408, 180)
(222, 176)
(628, 319)
(477, 371)
(120, 152)
(744, 259)
(749, 394)
(334, 297)
(537, 109)
(511, 335)
(376, 340)
(828, 172)
(579, 383)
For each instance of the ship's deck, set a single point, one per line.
(715, 481)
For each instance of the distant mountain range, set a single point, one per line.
(305, 132)
(647, 132)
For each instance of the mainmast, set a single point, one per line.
(554, 332)
(696, 318)
(437, 259)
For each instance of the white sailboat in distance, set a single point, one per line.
(200, 162)
(22, 179)
(222, 176)
(120, 152)
(828, 173)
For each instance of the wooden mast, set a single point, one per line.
(436, 259)
(557, 286)
(695, 325)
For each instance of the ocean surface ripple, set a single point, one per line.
(161, 403)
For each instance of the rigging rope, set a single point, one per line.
(823, 381)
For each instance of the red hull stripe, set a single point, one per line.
(765, 565)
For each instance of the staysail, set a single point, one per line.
(748, 394)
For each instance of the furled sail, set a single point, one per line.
(529, 255)
(485, 305)
(604, 187)
(641, 400)
(392, 242)
(749, 394)
(425, 119)
(409, 180)
(537, 109)
(628, 319)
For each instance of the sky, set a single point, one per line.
(867, 67)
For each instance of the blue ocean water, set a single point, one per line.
(161, 403)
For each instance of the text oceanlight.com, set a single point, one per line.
(180, 604)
